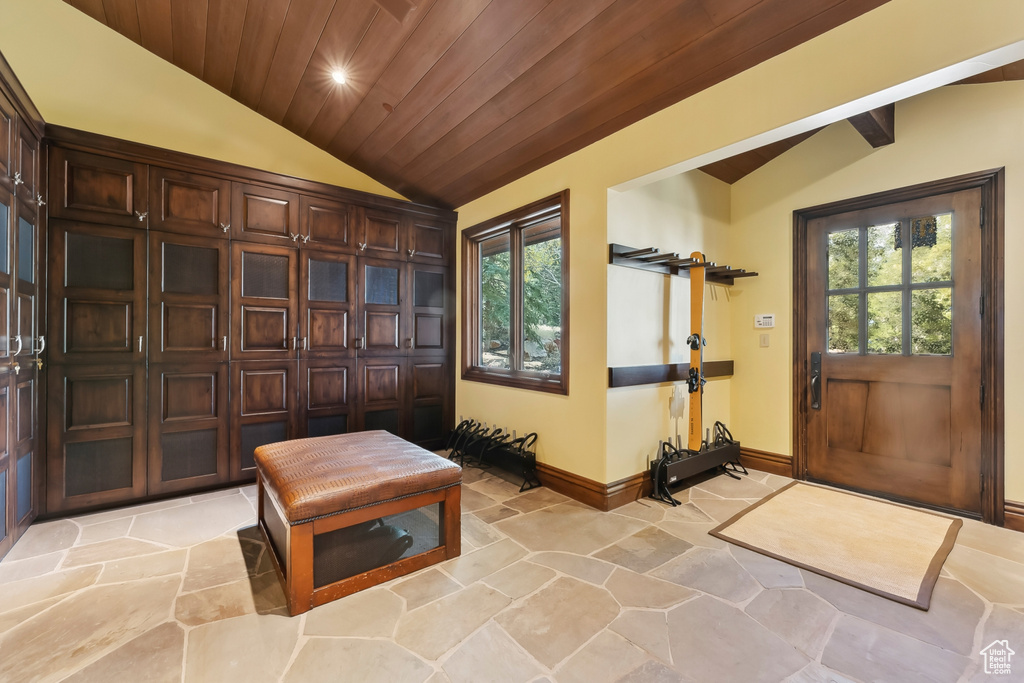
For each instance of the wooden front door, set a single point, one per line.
(894, 345)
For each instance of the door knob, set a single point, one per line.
(816, 380)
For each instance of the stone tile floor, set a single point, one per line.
(546, 590)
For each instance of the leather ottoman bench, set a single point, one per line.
(343, 513)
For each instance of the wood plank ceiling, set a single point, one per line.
(447, 100)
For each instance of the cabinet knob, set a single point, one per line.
(362, 246)
(18, 180)
(39, 363)
(411, 252)
(225, 228)
(39, 200)
(16, 367)
(408, 343)
(303, 342)
(295, 238)
(359, 342)
(141, 216)
(305, 239)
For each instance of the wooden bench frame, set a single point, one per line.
(295, 569)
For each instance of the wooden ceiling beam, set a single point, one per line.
(877, 126)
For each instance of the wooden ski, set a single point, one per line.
(696, 343)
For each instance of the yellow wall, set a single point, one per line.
(832, 70)
(81, 74)
(947, 132)
(649, 314)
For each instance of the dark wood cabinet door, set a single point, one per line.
(429, 240)
(8, 147)
(428, 389)
(327, 296)
(382, 293)
(97, 289)
(189, 289)
(189, 203)
(327, 393)
(96, 435)
(188, 426)
(263, 402)
(26, 286)
(90, 187)
(27, 173)
(427, 309)
(264, 214)
(264, 302)
(8, 475)
(326, 223)
(382, 234)
(382, 397)
(26, 456)
(8, 307)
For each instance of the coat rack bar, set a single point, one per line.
(655, 261)
(635, 375)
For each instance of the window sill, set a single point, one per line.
(519, 380)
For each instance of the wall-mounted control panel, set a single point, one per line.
(762, 320)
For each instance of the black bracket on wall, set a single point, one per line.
(671, 263)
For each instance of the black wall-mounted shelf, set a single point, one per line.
(635, 375)
(652, 259)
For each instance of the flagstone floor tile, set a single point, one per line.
(547, 590)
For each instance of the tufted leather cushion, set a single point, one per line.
(327, 475)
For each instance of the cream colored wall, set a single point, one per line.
(649, 314)
(951, 131)
(81, 74)
(834, 69)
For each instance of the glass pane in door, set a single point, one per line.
(885, 322)
(843, 259)
(381, 285)
(884, 258)
(932, 248)
(843, 323)
(5, 217)
(932, 321)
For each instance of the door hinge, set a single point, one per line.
(982, 398)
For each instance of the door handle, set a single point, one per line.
(816, 380)
(224, 342)
(302, 341)
(42, 345)
(21, 345)
(408, 343)
(140, 343)
(359, 342)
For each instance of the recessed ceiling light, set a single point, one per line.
(339, 76)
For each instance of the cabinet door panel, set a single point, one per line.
(430, 405)
(97, 294)
(265, 302)
(28, 162)
(264, 214)
(188, 426)
(188, 298)
(263, 410)
(189, 203)
(382, 401)
(429, 241)
(383, 234)
(428, 310)
(328, 292)
(90, 187)
(96, 454)
(26, 282)
(8, 125)
(326, 223)
(7, 474)
(25, 454)
(326, 396)
(382, 327)
(8, 323)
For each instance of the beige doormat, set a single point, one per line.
(881, 547)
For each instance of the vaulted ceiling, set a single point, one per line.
(447, 100)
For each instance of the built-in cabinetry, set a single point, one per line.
(21, 337)
(198, 310)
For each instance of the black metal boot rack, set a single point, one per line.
(484, 447)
